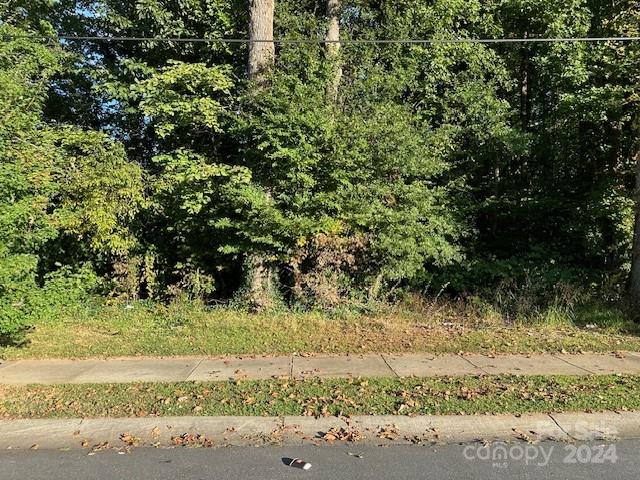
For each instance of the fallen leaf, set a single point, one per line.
(192, 440)
(129, 439)
(389, 432)
(99, 447)
(350, 435)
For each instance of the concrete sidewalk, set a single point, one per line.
(383, 429)
(126, 370)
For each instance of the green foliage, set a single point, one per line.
(16, 281)
(98, 192)
(486, 168)
(184, 94)
(195, 197)
(25, 162)
(55, 183)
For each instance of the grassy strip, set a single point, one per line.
(190, 329)
(455, 395)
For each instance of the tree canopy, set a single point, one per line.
(158, 167)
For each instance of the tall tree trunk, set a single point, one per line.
(261, 53)
(634, 284)
(260, 279)
(525, 87)
(333, 48)
(525, 106)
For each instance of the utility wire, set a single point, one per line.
(284, 41)
(310, 41)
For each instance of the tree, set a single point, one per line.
(67, 195)
(260, 282)
(26, 162)
(634, 283)
(333, 48)
(261, 50)
(625, 21)
(480, 164)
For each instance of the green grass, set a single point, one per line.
(455, 395)
(193, 329)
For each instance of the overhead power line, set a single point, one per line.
(303, 41)
(307, 41)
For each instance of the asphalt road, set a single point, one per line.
(547, 460)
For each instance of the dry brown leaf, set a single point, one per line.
(389, 432)
(342, 434)
(98, 447)
(129, 439)
(192, 440)
(520, 435)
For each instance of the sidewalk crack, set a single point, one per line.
(291, 367)
(193, 369)
(561, 428)
(473, 364)
(384, 359)
(573, 365)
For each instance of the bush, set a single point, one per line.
(17, 281)
(23, 303)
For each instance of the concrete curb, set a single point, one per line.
(247, 431)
